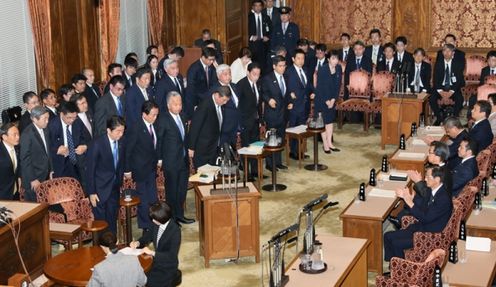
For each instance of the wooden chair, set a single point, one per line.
(382, 84)
(359, 97)
(491, 80)
(472, 74)
(484, 91)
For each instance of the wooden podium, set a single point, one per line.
(34, 240)
(398, 112)
(216, 216)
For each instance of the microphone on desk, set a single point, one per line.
(330, 204)
(283, 233)
(314, 202)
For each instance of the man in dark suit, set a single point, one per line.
(177, 53)
(104, 171)
(110, 104)
(404, 57)
(310, 59)
(219, 58)
(230, 123)
(481, 130)
(389, 62)
(85, 116)
(419, 76)
(78, 82)
(201, 77)
(277, 100)
(30, 100)
(490, 69)
(467, 169)
(250, 104)
(114, 69)
(375, 52)
(50, 102)
(9, 162)
(91, 91)
(259, 32)
(432, 212)
(130, 67)
(68, 143)
(272, 12)
(346, 51)
(136, 95)
(356, 62)
(171, 81)
(300, 89)
(204, 133)
(166, 238)
(207, 41)
(448, 81)
(174, 155)
(456, 133)
(458, 55)
(142, 158)
(287, 34)
(320, 55)
(36, 163)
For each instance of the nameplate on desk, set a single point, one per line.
(482, 244)
(411, 155)
(220, 191)
(377, 192)
(398, 176)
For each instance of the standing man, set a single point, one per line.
(277, 103)
(346, 51)
(273, 13)
(9, 162)
(204, 134)
(84, 114)
(389, 62)
(259, 32)
(130, 66)
(111, 104)
(356, 62)
(36, 163)
(458, 55)
(137, 95)
(30, 100)
(404, 58)
(174, 155)
(114, 69)
(250, 104)
(287, 34)
(142, 159)
(91, 91)
(105, 169)
(50, 102)
(172, 81)
(375, 51)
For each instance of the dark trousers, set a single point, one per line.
(250, 135)
(108, 210)
(259, 51)
(281, 132)
(201, 160)
(30, 195)
(176, 189)
(456, 97)
(471, 103)
(296, 119)
(147, 193)
(396, 242)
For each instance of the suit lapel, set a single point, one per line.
(38, 138)
(173, 123)
(4, 150)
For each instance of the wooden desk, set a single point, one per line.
(346, 260)
(479, 270)
(301, 138)
(73, 268)
(398, 114)
(128, 204)
(259, 158)
(217, 223)
(34, 240)
(363, 219)
(484, 223)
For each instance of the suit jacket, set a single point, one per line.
(453, 158)
(204, 132)
(102, 177)
(463, 173)
(219, 58)
(24, 121)
(88, 133)
(406, 62)
(456, 74)
(395, 65)
(118, 270)
(310, 63)
(36, 162)
(351, 54)
(365, 64)
(288, 40)
(482, 134)
(198, 86)
(166, 85)
(165, 262)
(266, 25)
(172, 148)
(459, 57)
(129, 82)
(380, 53)
(492, 122)
(432, 212)
(92, 94)
(274, 17)
(328, 87)
(296, 86)
(105, 108)
(423, 190)
(141, 151)
(425, 77)
(79, 137)
(8, 176)
(51, 114)
(249, 106)
(134, 100)
(486, 71)
(232, 116)
(270, 90)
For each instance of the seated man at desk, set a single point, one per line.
(456, 133)
(481, 130)
(432, 212)
(116, 269)
(467, 169)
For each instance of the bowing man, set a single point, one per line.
(105, 169)
(171, 81)
(142, 159)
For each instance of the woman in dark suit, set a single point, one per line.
(326, 95)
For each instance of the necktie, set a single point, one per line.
(115, 153)
(13, 158)
(284, 27)
(254, 91)
(358, 64)
(269, 13)
(219, 116)
(119, 107)
(150, 129)
(206, 75)
(145, 94)
(447, 83)
(399, 57)
(42, 135)
(417, 79)
(320, 65)
(259, 27)
(281, 85)
(180, 126)
(387, 66)
(492, 71)
(345, 55)
(374, 55)
(94, 92)
(70, 144)
(302, 77)
(177, 85)
(159, 234)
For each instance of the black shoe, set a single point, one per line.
(270, 168)
(327, 151)
(281, 166)
(335, 149)
(395, 221)
(305, 156)
(251, 179)
(293, 156)
(186, 220)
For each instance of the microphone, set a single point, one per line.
(330, 204)
(283, 233)
(314, 202)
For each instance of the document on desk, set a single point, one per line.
(482, 244)
(131, 251)
(377, 192)
(250, 150)
(418, 142)
(411, 155)
(297, 130)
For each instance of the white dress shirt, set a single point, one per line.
(86, 122)
(42, 134)
(64, 131)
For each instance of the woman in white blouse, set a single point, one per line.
(239, 68)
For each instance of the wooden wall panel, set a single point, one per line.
(193, 17)
(410, 21)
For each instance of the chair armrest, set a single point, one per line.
(407, 221)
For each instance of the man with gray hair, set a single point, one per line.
(171, 81)
(230, 126)
(456, 133)
(36, 163)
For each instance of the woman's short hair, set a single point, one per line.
(160, 211)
